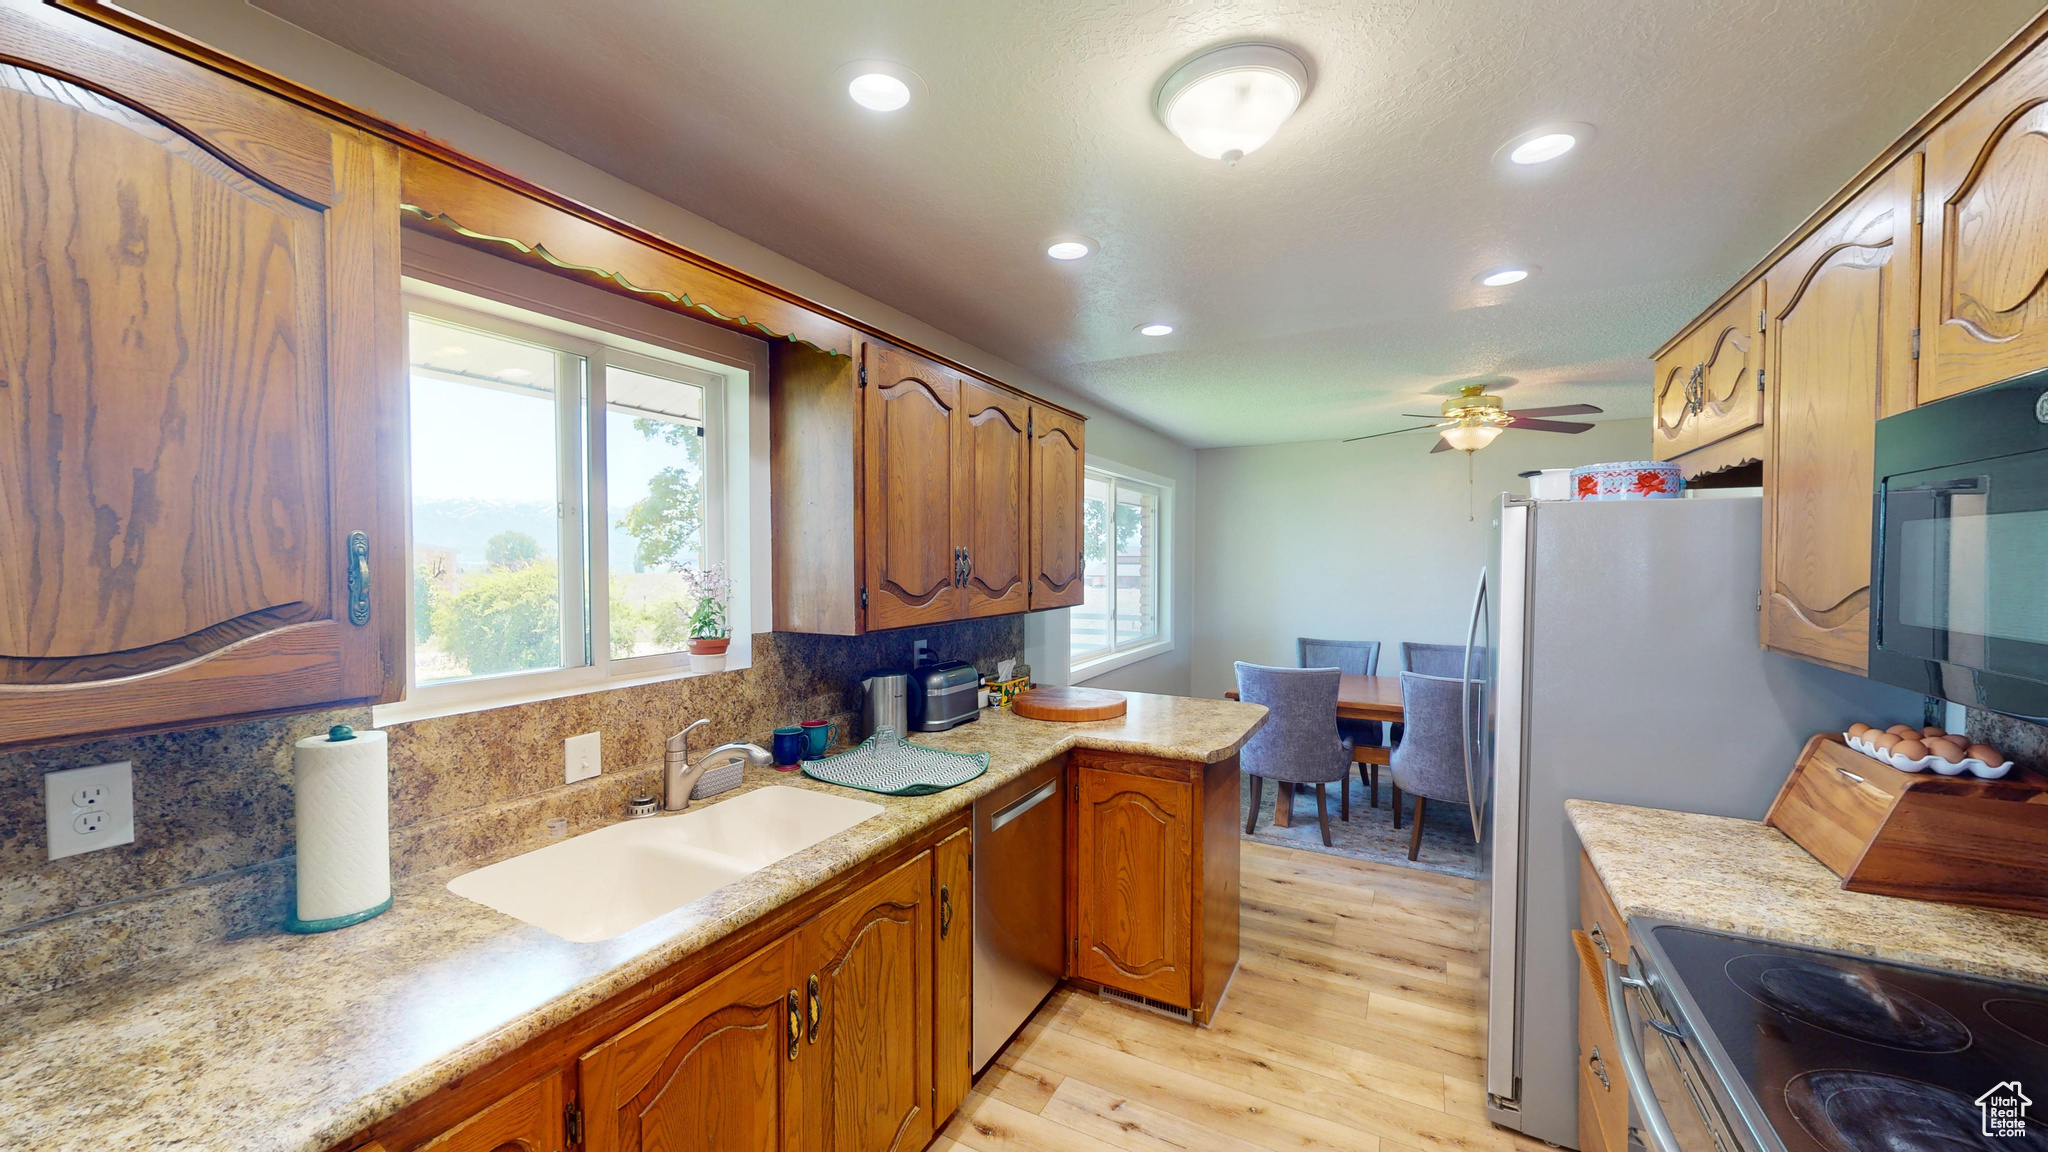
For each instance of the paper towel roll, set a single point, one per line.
(344, 829)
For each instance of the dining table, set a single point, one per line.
(1358, 698)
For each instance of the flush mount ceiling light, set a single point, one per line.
(1070, 248)
(1540, 146)
(1226, 103)
(878, 91)
(1155, 329)
(1502, 277)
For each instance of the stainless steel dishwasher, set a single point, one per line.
(1020, 903)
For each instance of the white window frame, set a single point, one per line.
(1104, 660)
(581, 456)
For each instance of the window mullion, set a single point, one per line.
(573, 382)
(598, 523)
(1115, 565)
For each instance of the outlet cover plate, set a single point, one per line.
(86, 809)
(582, 757)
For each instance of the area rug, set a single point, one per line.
(1447, 844)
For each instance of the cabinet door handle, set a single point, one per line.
(1599, 1068)
(967, 566)
(1600, 938)
(796, 1024)
(817, 1010)
(945, 910)
(358, 578)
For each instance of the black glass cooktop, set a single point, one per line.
(1847, 1055)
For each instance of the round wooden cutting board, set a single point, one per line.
(1068, 704)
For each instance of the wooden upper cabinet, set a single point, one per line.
(913, 461)
(1134, 865)
(1729, 398)
(1058, 460)
(712, 1070)
(1841, 344)
(1674, 431)
(995, 426)
(1984, 304)
(203, 386)
(866, 1056)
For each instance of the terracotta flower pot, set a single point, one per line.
(709, 645)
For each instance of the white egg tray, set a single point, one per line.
(1931, 762)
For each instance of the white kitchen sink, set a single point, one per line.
(608, 882)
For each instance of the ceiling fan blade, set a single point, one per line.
(1528, 425)
(1395, 432)
(1442, 445)
(1420, 416)
(1560, 410)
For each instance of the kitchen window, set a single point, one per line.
(563, 482)
(1123, 616)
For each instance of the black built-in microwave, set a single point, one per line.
(1959, 552)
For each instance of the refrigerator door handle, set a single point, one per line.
(1473, 728)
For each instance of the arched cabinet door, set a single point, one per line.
(997, 431)
(1730, 395)
(1133, 859)
(1841, 350)
(1058, 460)
(1674, 431)
(1984, 299)
(200, 351)
(912, 465)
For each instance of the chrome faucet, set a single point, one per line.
(679, 776)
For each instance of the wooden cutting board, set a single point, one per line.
(1069, 705)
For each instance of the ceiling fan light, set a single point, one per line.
(1470, 437)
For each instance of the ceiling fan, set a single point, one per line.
(1471, 419)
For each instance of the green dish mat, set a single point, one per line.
(897, 767)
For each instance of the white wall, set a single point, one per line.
(235, 27)
(1366, 541)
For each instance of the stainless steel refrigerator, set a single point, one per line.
(1619, 648)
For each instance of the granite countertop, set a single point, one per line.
(1745, 877)
(297, 1042)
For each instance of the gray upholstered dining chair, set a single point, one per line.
(1300, 743)
(1429, 762)
(1432, 659)
(1358, 658)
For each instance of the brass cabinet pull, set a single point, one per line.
(796, 1024)
(358, 578)
(1599, 938)
(945, 910)
(817, 1010)
(1599, 1068)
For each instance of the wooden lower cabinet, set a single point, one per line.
(529, 1120)
(953, 975)
(1154, 898)
(866, 1056)
(714, 1069)
(1603, 1095)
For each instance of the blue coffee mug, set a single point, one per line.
(821, 733)
(790, 745)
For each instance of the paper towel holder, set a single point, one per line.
(335, 735)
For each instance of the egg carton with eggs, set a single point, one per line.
(1979, 765)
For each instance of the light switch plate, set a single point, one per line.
(86, 809)
(582, 757)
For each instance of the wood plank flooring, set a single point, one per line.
(1353, 1024)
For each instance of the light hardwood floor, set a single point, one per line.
(1353, 1024)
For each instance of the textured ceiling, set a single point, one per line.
(1320, 286)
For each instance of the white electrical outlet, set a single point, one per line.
(582, 757)
(89, 808)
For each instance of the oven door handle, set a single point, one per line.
(1631, 1053)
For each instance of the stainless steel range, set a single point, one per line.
(1731, 1044)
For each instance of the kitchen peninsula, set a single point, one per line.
(393, 1033)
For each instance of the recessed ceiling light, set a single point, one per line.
(1548, 146)
(1070, 248)
(1227, 103)
(878, 91)
(1155, 330)
(1502, 277)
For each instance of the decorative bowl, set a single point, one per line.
(1627, 480)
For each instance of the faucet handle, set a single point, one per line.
(680, 742)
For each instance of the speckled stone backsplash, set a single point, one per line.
(212, 856)
(2026, 743)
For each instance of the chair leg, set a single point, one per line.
(1375, 784)
(1344, 803)
(1397, 807)
(1323, 814)
(1251, 818)
(1415, 837)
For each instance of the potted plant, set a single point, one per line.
(709, 637)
